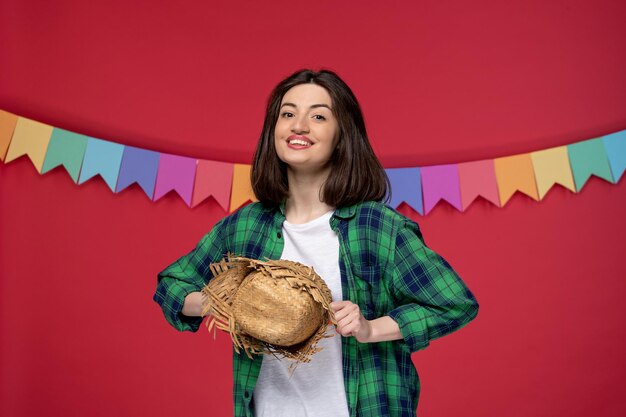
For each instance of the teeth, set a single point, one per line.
(299, 142)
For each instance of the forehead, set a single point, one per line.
(307, 94)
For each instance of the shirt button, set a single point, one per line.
(246, 394)
(279, 235)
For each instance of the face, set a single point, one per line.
(306, 130)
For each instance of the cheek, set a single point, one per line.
(279, 144)
(334, 132)
(335, 138)
(277, 133)
(279, 129)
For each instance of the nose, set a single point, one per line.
(300, 124)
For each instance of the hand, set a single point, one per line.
(350, 321)
(194, 304)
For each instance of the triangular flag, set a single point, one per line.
(552, 167)
(440, 182)
(104, 158)
(67, 149)
(515, 173)
(241, 192)
(7, 126)
(140, 166)
(406, 186)
(175, 173)
(213, 179)
(29, 138)
(615, 146)
(588, 158)
(478, 178)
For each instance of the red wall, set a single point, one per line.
(439, 82)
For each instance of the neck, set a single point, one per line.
(304, 204)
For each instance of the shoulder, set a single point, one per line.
(378, 214)
(251, 212)
(373, 230)
(378, 224)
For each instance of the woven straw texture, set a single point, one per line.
(277, 307)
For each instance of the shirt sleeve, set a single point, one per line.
(432, 299)
(188, 274)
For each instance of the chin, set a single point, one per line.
(296, 160)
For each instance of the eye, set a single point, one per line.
(286, 114)
(319, 117)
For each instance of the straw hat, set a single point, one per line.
(279, 307)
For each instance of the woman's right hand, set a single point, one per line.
(194, 304)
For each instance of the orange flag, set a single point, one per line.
(241, 191)
(515, 173)
(7, 125)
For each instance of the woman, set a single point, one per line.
(319, 187)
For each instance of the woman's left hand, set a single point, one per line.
(350, 321)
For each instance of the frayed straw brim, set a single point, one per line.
(278, 307)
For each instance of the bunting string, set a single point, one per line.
(422, 188)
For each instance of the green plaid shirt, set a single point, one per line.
(385, 268)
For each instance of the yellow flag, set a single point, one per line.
(30, 138)
(552, 167)
(241, 191)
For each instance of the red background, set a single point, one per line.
(439, 82)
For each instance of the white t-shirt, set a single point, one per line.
(315, 389)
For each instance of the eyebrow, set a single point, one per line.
(313, 106)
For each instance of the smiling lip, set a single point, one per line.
(298, 142)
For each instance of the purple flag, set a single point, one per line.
(406, 186)
(441, 182)
(140, 166)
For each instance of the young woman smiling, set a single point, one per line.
(320, 189)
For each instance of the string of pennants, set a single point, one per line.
(195, 180)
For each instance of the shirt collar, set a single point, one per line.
(341, 212)
(345, 212)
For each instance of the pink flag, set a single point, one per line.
(175, 173)
(478, 179)
(213, 179)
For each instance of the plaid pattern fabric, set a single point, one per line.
(385, 268)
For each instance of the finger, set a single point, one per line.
(338, 305)
(344, 309)
(347, 315)
(351, 329)
(342, 331)
(351, 323)
(343, 313)
(342, 324)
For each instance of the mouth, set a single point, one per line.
(299, 142)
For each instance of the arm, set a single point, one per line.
(432, 299)
(179, 284)
(350, 322)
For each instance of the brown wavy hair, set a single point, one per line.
(356, 174)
